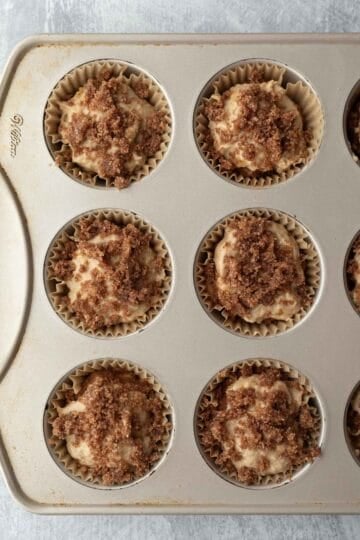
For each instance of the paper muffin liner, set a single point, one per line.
(69, 85)
(301, 93)
(57, 289)
(311, 267)
(209, 396)
(74, 381)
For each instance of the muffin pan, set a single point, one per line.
(182, 199)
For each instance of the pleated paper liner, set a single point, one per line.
(69, 85)
(209, 396)
(300, 92)
(57, 290)
(350, 282)
(311, 266)
(74, 381)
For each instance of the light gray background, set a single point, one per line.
(19, 18)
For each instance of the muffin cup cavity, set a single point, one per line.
(73, 381)
(352, 285)
(69, 85)
(352, 423)
(235, 324)
(296, 89)
(209, 396)
(352, 105)
(57, 289)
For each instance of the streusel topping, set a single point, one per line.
(255, 128)
(112, 273)
(259, 423)
(256, 272)
(114, 426)
(110, 128)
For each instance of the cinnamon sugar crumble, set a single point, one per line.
(264, 427)
(353, 127)
(110, 128)
(123, 425)
(112, 273)
(353, 423)
(353, 273)
(257, 269)
(252, 131)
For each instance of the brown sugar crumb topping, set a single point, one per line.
(121, 411)
(258, 272)
(353, 272)
(267, 420)
(127, 274)
(87, 133)
(353, 127)
(260, 123)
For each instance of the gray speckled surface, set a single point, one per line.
(19, 18)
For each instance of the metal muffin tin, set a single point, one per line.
(183, 198)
